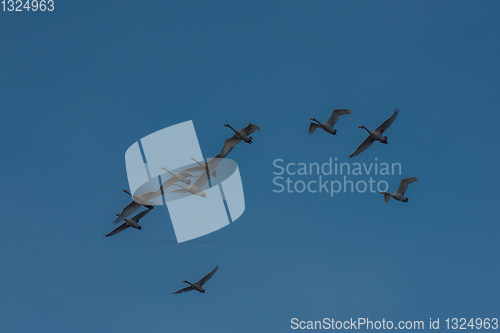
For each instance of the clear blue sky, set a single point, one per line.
(79, 85)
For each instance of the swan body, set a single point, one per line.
(181, 176)
(176, 177)
(198, 286)
(399, 194)
(190, 189)
(375, 135)
(327, 126)
(194, 188)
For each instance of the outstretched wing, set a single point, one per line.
(362, 147)
(213, 163)
(385, 125)
(250, 129)
(404, 184)
(185, 174)
(336, 114)
(313, 127)
(194, 169)
(180, 190)
(141, 214)
(118, 229)
(183, 290)
(208, 276)
(229, 144)
(128, 210)
(145, 198)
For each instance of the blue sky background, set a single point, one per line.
(79, 85)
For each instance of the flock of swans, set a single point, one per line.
(375, 135)
(181, 177)
(194, 188)
(241, 135)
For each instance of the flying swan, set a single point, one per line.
(239, 135)
(399, 194)
(375, 135)
(195, 188)
(197, 285)
(133, 222)
(328, 125)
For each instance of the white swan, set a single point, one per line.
(229, 144)
(375, 135)
(181, 176)
(399, 194)
(133, 222)
(239, 135)
(194, 188)
(328, 125)
(197, 285)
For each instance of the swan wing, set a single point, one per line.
(128, 210)
(214, 162)
(141, 214)
(404, 184)
(208, 276)
(166, 184)
(145, 198)
(336, 114)
(229, 144)
(118, 229)
(250, 129)
(180, 190)
(313, 127)
(186, 174)
(362, 147)
(183, 290)
(385, 125)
